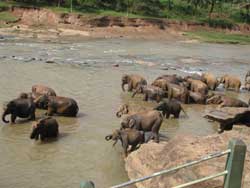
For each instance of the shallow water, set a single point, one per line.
(84, 71)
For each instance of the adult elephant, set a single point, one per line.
(144, 121)
(63, 106)
(197, 86)
(133, 80)
(23, 108)
(45, 128)
(197, 98)
(43, 90)
(162, 83)
(178, 92)
(150, 92)
(231, 82)
(169, 107)
(194, 76)
(226, 101)
(210, 80)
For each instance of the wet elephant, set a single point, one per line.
(128, 137)
(226, 101)
(45, 128)
(197, 98)
(210, 80)
(144, 121)
(174, 79)
(132, 81)
(231, 82)
(194, 76)
(197, 86)
(180, 93)
(63, 106)
(23, 108)
(125, 109)
(162, 83)
(169, 107)
(150, 92)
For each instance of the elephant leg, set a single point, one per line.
(158, 98)
(176, 114)
(167, 114)
(145, 97)
(13, 118)
(50, 111)
(33, 115)
(130, 86)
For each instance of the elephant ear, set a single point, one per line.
(131, 123)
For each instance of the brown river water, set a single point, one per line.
(83, 71)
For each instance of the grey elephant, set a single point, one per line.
(144, 121)
(23, 108)
(169, 107)
(128, 137)
(150, 92)
(132, 80)
(45, 128)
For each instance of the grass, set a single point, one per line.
(219, 37)
(7, 17)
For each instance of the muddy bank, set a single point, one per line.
(153, 157)
(44, 23)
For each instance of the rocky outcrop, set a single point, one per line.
(154, 157)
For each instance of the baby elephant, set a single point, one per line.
(46, 128)
(128, 137)
(169, 107)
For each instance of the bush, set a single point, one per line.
(221, 23)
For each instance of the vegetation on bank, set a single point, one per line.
(219, 37)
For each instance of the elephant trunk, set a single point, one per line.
(123, 89)
(108, 137)
(3, 117)
(118, 114)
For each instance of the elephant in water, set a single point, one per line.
(58, 105)
(23, 108)
(144, 121)
(43, 90)
(210, 80)
(231, 82)
(133, 81)
(45, 128)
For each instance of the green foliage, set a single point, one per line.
(219, 23)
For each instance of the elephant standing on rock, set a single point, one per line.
(23, 108)
(210, 80)
(45, 128)
(197, 86)
(58, 105)
(43, 90)
(144, 121)
(226, 101)
(133, 81)
(128, 137)
(169, 107)
(180, 93)
(150, 92)
(231, 82)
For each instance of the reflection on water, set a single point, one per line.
(83, 71)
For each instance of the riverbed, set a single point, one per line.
(84, 71)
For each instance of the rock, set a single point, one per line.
(115, 65)
(50, 62)
(153, 157)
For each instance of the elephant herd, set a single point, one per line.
(40, 97)
(169, 91)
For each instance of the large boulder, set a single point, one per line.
(153, 157)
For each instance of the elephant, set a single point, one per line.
(43, 90)
(247, 75)
(133, 81)
(58, 105)
(247, 83)
(169, 107)
(23, 108)
(144, 121)
(197, 98)
(194, 76)
(46, 128)
(197, 86)
(174, 79)
(125, 109)
(128, 137)
(231, 82)
(210, 80)
(150, 92)
(180, 93)
(226, 101)
(161, 83)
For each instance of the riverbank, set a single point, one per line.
(154, 157)
(45, 24)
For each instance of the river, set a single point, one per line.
(84, 71)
